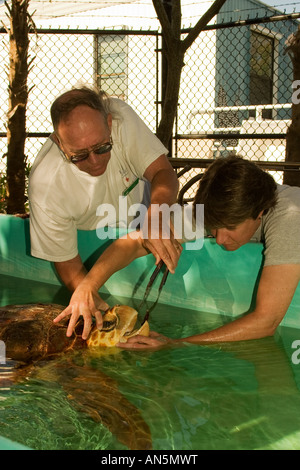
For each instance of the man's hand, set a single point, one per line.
(158, 238)
(87, 303)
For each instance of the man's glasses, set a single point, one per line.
(99, 149)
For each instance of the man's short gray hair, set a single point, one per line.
(69, 100)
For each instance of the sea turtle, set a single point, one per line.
(30, 338)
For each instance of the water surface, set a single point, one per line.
(234, 396)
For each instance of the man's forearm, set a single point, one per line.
(71, 272)
(164, 187)
(117, 256)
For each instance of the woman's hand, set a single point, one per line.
(86, 302)
(153, 341)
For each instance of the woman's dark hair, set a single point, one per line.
(232, 190)
(69, 100)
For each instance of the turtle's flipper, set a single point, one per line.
(97, 394)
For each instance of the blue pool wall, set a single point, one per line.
(207, 279)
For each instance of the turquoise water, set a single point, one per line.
(237, 396)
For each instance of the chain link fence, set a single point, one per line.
(121, 63)
(241, 88)
(235, 95)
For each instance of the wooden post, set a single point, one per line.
(18, 95)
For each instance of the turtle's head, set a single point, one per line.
(118, 326)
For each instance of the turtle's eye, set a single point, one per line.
(108, 325)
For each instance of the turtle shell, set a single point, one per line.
(29, 333)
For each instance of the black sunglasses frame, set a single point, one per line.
(100, 150)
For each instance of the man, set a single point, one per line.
(100, 154)
(241, 203)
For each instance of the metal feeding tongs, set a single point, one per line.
(154, 275)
